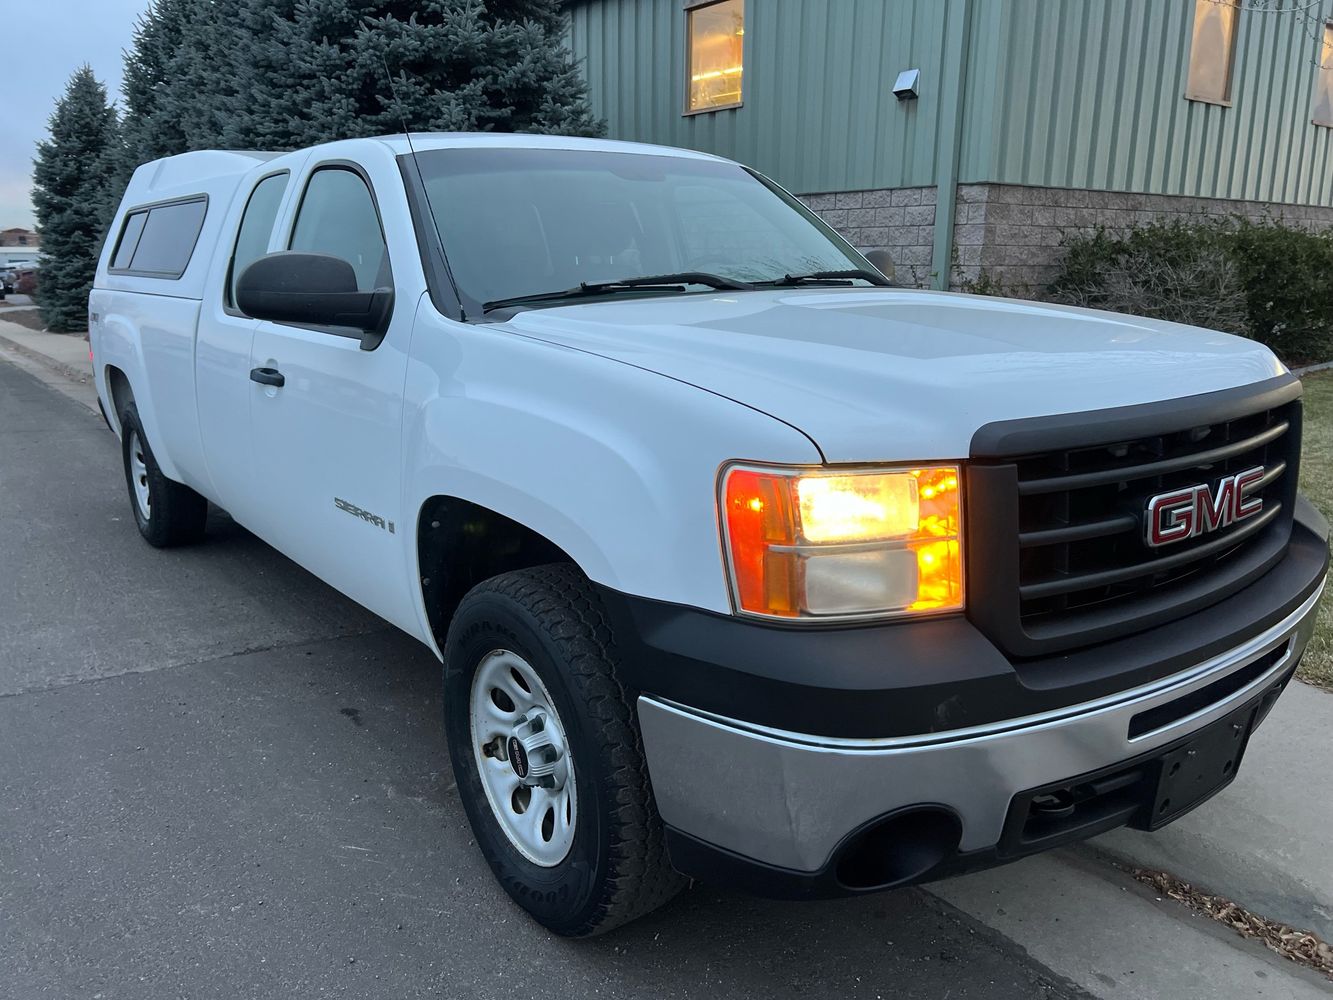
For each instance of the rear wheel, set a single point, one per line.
(167, 512)
(547, 755)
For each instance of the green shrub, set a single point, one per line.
(1263, 280)
(1288, 276)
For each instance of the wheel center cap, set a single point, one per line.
(537, 752)
(518, 758)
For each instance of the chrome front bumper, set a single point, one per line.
(787, 799)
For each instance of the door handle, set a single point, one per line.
(267, 376)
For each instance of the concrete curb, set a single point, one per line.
(59, 367)
(1311, 369)
(64, 378)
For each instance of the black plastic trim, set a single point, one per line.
(1082, 480)
(715, 865)
(440, 283)
(914, 677)
(1066, 584)
(995, 543)
(1032, 435)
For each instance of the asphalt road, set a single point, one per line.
(219, 778)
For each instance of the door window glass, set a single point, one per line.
(338, 217)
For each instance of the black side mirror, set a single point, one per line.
(317, 289)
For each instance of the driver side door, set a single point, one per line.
(326, 442)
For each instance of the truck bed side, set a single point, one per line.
(142, 326)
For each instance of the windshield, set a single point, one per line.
(518, 222)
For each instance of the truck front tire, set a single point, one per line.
(547, 755)
(167, 512)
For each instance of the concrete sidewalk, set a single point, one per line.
(1266, 842)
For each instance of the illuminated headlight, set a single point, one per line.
(844, 543)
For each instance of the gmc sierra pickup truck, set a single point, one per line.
(743, 565)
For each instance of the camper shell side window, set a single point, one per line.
(157, 241)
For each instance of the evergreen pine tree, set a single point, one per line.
(159, 42)
(74, 195)
(280, 74)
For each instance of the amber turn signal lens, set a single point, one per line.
(856, 543)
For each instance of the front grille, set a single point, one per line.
(1066, 525)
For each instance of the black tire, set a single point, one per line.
(616, 869)
(176, 514)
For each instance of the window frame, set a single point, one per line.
(360, 171)
(1226, 100)
(347, 333)
(228, 306)
(147, 209)
(1320, 70)
(689, 9)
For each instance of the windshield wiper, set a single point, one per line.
(832, 277)
(650, 282)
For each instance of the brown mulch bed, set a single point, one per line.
(1302, 947)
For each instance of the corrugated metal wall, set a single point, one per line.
(1089, 95)
(1065, 93)
(819, 114)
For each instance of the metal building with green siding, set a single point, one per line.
(1029, 118)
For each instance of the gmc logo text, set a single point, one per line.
(1196, 510)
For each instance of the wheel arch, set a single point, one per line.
(123, 377)
(122, 394)
(460, 543)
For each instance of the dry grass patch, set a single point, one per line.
(1317, 483)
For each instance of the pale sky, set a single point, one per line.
(44, 42)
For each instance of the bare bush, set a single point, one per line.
(1201, 288)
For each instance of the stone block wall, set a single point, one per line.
(1011, 234)
(899, 220)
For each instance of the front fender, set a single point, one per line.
(615, 464)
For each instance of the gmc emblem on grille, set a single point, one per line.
(1196, 510)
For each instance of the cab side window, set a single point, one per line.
(337, 216)
(261, 211)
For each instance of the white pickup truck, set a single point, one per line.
(742, 564)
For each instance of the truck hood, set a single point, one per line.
(900, 375)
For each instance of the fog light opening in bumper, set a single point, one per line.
(898, 849)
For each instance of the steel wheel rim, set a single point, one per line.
(139, 476)
(507, 700)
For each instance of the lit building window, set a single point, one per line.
(714, 40)
(1323, 81)
(1212, 51)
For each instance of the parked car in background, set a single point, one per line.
(26, 282)
(8, 281)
